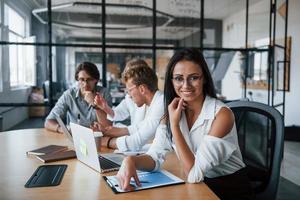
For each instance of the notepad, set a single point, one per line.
(147, 179)
(47, 149)
(62, 155)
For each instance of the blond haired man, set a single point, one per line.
(143, 104)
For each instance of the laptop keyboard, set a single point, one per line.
(107, 164)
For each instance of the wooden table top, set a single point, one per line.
(79, 181)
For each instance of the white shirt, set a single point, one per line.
(144, 123)
(213, 156)
(127, 108)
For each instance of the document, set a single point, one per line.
(148, 180)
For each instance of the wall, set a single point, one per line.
(293, 97)
(233, 36)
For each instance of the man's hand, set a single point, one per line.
(101, 103)
(59, 129)
(96, 126)
(89, 97)
(104, 141)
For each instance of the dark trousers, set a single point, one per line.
(234, 186)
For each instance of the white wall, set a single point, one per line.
(293, 97)
(234, 36)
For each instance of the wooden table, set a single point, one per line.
(79, 181)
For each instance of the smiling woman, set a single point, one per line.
(199, 127)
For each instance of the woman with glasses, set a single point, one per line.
(199, 127)
(77, 103)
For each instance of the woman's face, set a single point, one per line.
(188, 80)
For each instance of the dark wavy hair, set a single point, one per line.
(192, 55)
(90, 68)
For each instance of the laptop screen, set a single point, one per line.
(64, 128)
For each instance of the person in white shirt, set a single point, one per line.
(200, 128)
(145, 112)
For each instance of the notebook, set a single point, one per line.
(47, 149)
(86, 151)
(147, 179)
(62, 155)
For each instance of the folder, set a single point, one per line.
(46, 175)
(62, 155)
(148, 180)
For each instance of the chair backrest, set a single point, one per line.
(55, 90)
(260, 131)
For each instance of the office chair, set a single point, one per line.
(55, 91)
(260, 130)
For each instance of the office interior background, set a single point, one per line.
(250, 47)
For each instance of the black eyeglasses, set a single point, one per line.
(179, 80)
(87, 80)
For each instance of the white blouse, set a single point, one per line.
(213, 156)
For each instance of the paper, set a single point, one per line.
(98, 134)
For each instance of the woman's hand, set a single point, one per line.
(126, 172)
(175, 108)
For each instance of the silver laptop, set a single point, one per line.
(65, 130)
(86, 151)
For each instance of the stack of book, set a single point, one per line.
(52, 153)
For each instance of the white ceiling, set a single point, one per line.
(183, 10)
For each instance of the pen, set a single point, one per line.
(144, 182)
(141, 181)
(78, 118)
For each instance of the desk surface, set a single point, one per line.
(80, 181)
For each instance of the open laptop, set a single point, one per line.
(65, 130)
(86, 151)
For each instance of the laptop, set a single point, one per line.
(86, 151)
(65, 130)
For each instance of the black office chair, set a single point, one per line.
(260, 131)
(55, 91)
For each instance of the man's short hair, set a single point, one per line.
(140, 73)
(90, 68)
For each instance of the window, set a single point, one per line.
(261, 61)
(21, 57)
